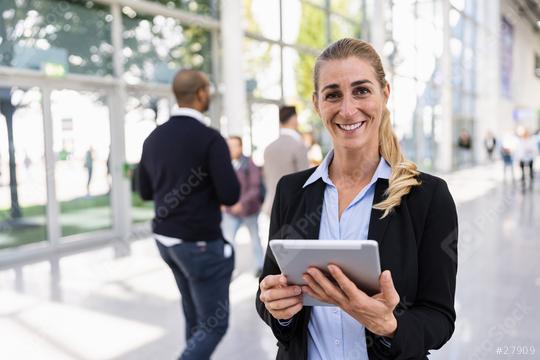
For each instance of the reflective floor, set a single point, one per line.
(98, 307)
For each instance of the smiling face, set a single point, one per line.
(350, 102)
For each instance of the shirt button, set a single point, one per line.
(337, 342)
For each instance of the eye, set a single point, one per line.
(330, 96)
(361, 91)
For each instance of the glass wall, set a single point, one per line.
(52, 41)
(57, 37)
(81, 142)
(279, 59)
(23, 188)
(463, 48)
(414, 48)
(155, 47)
(143, 114)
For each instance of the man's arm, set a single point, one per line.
(145, 183)
(224, 178)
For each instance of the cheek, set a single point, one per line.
(327, 113)
(373, 108)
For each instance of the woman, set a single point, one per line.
(364, 188)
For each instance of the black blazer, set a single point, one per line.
(417, 243)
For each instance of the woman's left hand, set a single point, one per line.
(376, 313)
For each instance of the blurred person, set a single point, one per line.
(186, 170)
(464, 147)
(507, 146)
(525, 153)
(490, 143)
(363, 189)
(89, 165)
(285, 155)
(27, 166)
(246, 210)
(315, 155)
(508, 161)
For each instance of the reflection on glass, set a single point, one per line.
(290, 73)
(202, 7)
(321, 3)
(290, 14)
(458, 4)
(23, 188)
(310, 31)
(57, 37)
(350, 8)
(313, 25)
(404, 105)
(264, 128)
(341, 28)
(155, 47)
(263, 69)
(81, 142)
(262, 17)
(143, 114)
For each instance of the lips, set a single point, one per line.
(351, 127)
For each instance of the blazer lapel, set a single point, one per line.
(314, 195)
(377, 226)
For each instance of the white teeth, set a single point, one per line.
(351, 126)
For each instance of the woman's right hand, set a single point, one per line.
(281, 300)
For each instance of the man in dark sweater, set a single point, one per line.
(186, 169)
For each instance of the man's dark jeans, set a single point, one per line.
(203, 274)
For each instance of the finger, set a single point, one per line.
(348, 287)
(331, 290)
(284, 303)
(313, 286)
(322, 298)
(389, 291)
(280, 293)
(271, 281)
(287, 313)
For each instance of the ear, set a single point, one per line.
(315, 101)
(386, 92)
(200, 95)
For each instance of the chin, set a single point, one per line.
(351, 145)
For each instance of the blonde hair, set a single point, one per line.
(404, 173)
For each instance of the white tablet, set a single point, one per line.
(359, 260)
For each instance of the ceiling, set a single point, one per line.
(530, 9)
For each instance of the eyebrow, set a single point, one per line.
(353, 84)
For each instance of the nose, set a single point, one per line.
(348, 107)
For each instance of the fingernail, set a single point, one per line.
(297, 291)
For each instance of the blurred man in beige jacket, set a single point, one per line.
(286, 155)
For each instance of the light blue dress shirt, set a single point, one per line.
(334, 334)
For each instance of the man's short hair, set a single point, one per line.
(285, 113)
(186, 83)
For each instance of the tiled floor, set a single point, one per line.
(127, 308)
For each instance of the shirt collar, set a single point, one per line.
(290, 132)
(184, 111)
(383, 171)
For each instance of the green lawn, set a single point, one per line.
(78, 216)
